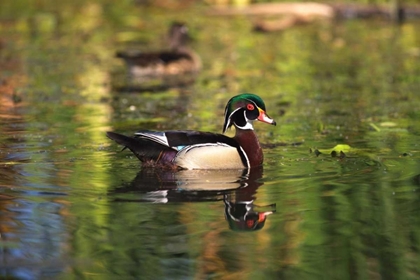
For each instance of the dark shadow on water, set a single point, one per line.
(236, 188)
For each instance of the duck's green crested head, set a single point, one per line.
(241, 110)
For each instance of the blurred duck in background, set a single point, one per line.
(179, 59)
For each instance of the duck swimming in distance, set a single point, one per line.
(205, 150)
(178, 59)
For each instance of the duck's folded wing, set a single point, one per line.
(143, 148)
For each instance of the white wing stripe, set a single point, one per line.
(188, 148)
(161, 138)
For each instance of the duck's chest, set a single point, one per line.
(251, 146)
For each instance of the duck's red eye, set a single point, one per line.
(250, 107)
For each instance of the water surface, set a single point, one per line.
(74, 206)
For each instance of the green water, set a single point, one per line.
(72, 206)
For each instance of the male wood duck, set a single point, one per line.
(178, 59)
(205, 150)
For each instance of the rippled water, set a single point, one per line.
(74, 206)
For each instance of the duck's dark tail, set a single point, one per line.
(145, 150)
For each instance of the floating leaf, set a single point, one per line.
(388, 124)
(339, 150)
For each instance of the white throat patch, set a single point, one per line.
(248, 124)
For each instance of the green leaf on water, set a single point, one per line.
(339, 150)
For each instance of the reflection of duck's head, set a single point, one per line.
(242, 216)
(240, 211)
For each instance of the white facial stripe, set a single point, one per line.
(248, 125)
(229, 119)
(233, 113)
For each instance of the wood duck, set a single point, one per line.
(205, 150)
(178, 59)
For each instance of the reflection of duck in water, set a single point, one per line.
(205, 150)
(241, 212)
(237, 188)
(244, 215)
(177, 60)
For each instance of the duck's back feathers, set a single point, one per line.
(177, 138)
(146, 59)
